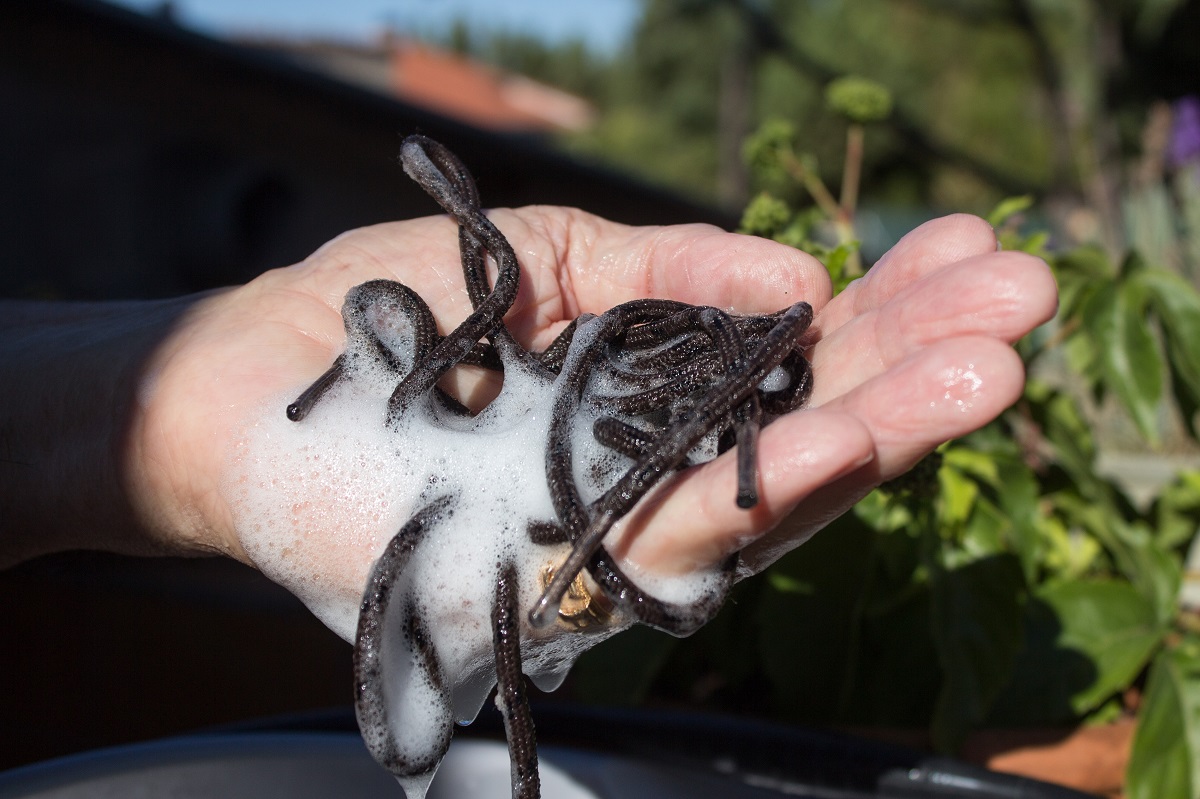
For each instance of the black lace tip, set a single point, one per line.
(295, 412)
(747, 499)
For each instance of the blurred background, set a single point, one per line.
(153, 148)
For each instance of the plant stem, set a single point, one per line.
(852, 170)
(813, 185)
(851, 178)
(843, 223)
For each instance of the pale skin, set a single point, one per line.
(118, 420)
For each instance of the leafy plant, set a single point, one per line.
(1006, 581)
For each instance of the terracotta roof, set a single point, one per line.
(459, 87)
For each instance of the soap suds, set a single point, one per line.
(317, 502)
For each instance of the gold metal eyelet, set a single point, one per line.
(581, 609)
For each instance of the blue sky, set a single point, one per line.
(603, 24)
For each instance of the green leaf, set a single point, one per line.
(1136, 554)
(835, 261)
(1020, 503)
(1083, 357)
(1069, 554)
(1064, 426)
(1090, 262)
(990, 532)
(981, 465)
(1155, 571)
(1035, 243)
(1177, 510)
(1110, 622)
(1132, 266)
(1080, 273)
(787, 584)
(1159, 574)
(878, 511)
(976, 619)
(1009, 207)
(1165, 762)
(1132, 367)
(1177, 305)
(957, 497)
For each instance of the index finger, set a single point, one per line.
(599, 264)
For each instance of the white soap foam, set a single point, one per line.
(776, 380)
(316, 502)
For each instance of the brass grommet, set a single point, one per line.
(581, 609)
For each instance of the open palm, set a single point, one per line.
(913, 354)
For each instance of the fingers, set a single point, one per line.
(1001, 295)
(923, 251)
(573, 262)
(814, 465)
(938, 393)
(601, 263)
(693, 521)
(744, 273)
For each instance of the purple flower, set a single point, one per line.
(1185, 131)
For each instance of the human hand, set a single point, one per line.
(915, 353)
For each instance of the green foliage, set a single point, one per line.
(1109, 622)
(1128, 318)
(772, 218)
(975, 618)
(859, 99)
(1166, 750)
(1005, 580)
(769, 149)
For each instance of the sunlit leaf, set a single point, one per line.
(1165, 762)
(981, 465)
(879, 511)
(765, 216)
(1115, 317)
(1008, 208)
(1177, 510)
(1068, 554)
(1177, 305)
(1136, 554)
(958, 493)
(1083, 356)
(987, 532)
(1019, 501)
(1112, 624)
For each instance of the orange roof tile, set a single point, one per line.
(461, 88)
